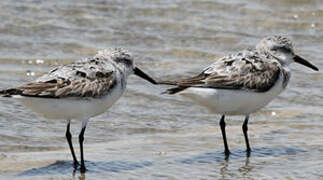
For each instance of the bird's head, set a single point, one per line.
(281, 48)
(124, 60)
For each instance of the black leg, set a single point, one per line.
(245, 133)
(81, 139)
(69, 140)
(222, 125)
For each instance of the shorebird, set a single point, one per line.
(80, 90)
(242, 83)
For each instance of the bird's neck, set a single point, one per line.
(286, 74)
(125, 70)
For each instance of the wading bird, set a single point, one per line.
(242, 83)
(80, 90)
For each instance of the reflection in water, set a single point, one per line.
(224, 168)
(167, 38)
(238, 154)
(224, 162)
(244, 170)
(81, 177)
(66, 167)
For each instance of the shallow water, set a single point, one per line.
(147, 135)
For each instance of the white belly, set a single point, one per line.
(72, 107)
(232, 102)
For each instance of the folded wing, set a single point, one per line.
(245, 71)
(79, 79)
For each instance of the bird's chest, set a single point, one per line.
(113, 95)
(285, 74)
(236, 102)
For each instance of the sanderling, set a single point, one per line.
(242, 83)
(80, 90)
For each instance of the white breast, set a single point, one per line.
(233, 102)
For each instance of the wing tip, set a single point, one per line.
(174, 90)
(9, 92)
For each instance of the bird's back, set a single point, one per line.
(91, 77)
(236, 84)
(246, 70)
(84, 88)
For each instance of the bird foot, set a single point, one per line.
(227, 153)
(248, 151)
(83, 169)
(76, 164)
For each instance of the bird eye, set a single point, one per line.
(283, 49)
(280, 49)
(274, 49)
(124, 60)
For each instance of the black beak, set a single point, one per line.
(304, 62)
(143, 75)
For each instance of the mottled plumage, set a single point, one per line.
(80, 90)
(245, 70)
(92, 77)
(242, 83)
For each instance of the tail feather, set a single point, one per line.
(10, 92)
(167, 83)
(174, 90)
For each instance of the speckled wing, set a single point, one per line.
(244, 70)
(84, 78)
